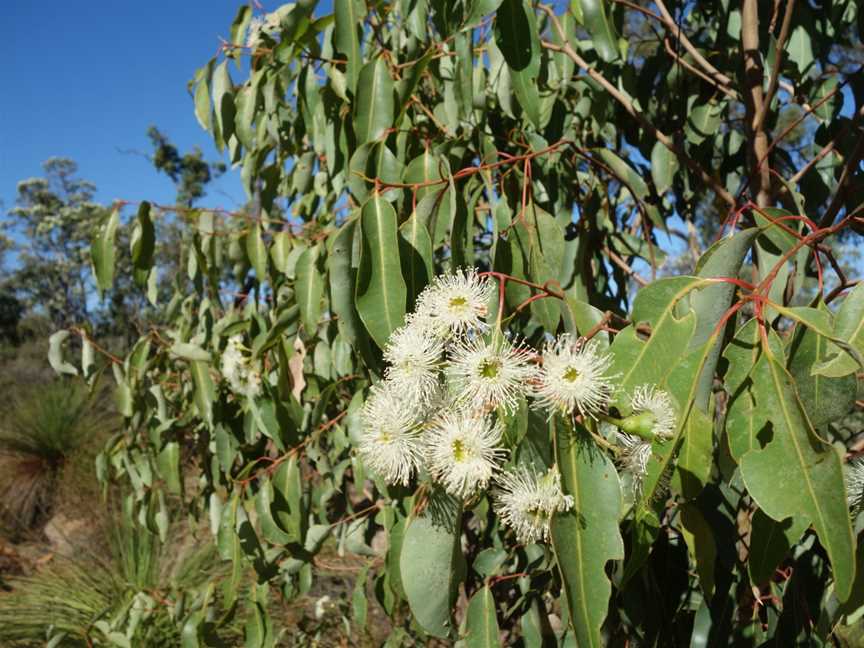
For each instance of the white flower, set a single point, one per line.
(486, 376)
(527, 500)
(455, 303)
(463, 452)
(572, 377)
(633, 458)
(238, 371)
(855, 485)
(390, 444)
(253, 34)
(647, 399)
(415, 361)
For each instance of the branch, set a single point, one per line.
(775, 71)
(848, 170)
(702, 75)
(755, 100)
(670, 23)
(661, 137)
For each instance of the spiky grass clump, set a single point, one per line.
(41, 430)
(133, 584)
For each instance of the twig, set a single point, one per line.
(775, 70)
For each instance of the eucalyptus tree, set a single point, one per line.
(455, 351)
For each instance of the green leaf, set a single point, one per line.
(240, 23)
(269, 529)
(541, 240)
(744, 419)
(650, 361)
(55, 354)
(189, 351)
(481, 624)
(800, 48)
(287, 504)
(223, 101)
(203, 106)
(586, 537)
(432, 564)
(415, 251)
(601, 29)
(703, 121)
(346, 37)
(309, 289)
(205, 391)
(169, 466)
(342, 282)
(257, 252)
(279, 251)
(517, 37)
(635, 184)
(770, 542)
(381, 291)
(664, 166)
(103, 253)
(375, 107)
(700, 544)
(478, 10)
(848, 327)
(793, 472)
(142, 243)
(824, 399)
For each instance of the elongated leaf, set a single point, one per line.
(635, 183)
(375, 108)
(269, 528)
(103, 252)
(586, 537)
(700, 543)
(849, 327)
(55, 354)
(517, 37)
(381, 291)
(142, 243)
(169, 466)
(770, 542)
(602, 31)
(723, 259)
(287, 505)
(796, 473)
(205, 391)
(650, 361)
(342, 281)
(481, 624)
(223, 101)
(346, 37)
(189, 351)
(664, 166)
(257, 252)
(432, 564)
(824, 399)
(415, 251)
(309, 289)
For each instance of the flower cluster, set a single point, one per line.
(450, 378)
(238, 370)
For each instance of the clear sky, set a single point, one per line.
(85, 78)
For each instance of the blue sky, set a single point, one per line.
(84, 79)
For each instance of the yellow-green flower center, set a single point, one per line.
(458, 304)
(490, 368)
(571, 374)
(460, 450)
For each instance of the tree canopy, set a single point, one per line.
(449, 202)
